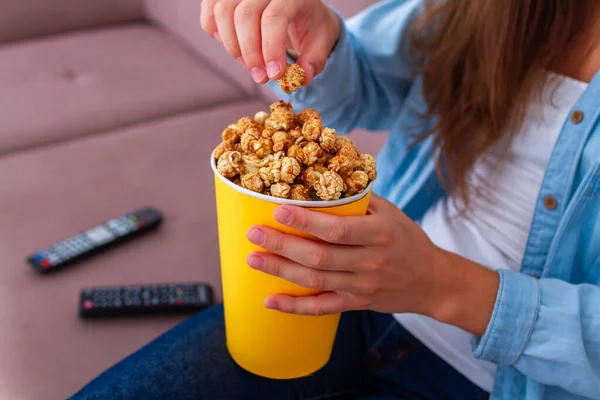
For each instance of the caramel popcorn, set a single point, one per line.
(282, 116)
(297, 152)
(253, 182)
(223, 147)
(313, 152)
(288, 155)
(280, 190)
(356, 183)
(282, 140)
(230, 164)
(310, 175)
(348, 150)
(260, 117)
(311, 130)
(296, 133)
(261, 147)
(329, 186)
(368, 164)
(290, 169)
(341, 165)
(247, 138)
(299, 192)
(244, 124)
(292, 79)
(268, 133)
(327, 139)
(271, 173)
(306, 115)
(230, 135)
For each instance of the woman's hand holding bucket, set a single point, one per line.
(382, 261)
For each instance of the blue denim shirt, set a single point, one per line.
(544, 332)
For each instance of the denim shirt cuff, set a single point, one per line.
(332, 70)
(514, 316)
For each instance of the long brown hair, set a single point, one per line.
(482, 61)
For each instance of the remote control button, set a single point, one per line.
(88, 304)
(45, 264)
(179, 301)
(155, 301)
(116, 303)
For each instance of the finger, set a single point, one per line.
(301, 275)
(247, 25)
(323, 304)
(323, 256)
(274, 26)
(207, 17)
(224, 10)
(313, 57)
(368, 230)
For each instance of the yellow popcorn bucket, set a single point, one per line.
(266, 342)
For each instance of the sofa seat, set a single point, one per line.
(50, 193)
(61, 87)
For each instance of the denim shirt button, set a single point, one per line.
(550, 202)
(577, 117)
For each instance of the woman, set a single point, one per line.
(479, 273)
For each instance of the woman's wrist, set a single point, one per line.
(464, 293)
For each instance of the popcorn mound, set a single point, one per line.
(292, 156)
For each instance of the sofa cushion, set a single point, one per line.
(181, 19)
(72, 85)
(61, 190)
(22, 19)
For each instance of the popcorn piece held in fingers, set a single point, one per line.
(230, 164)
(290, 169)
(299, 192)
(281, 190)
(356, 183)
(292, 79)
(252, 182)
(330, 186)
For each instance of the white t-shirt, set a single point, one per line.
(504, 187)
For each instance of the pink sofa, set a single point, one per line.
(105, 106)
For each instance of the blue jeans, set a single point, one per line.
(374, 357)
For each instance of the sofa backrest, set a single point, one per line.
(23, 19)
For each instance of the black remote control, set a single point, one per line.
(95, 239)
(144, 299)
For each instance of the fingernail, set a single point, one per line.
(256, 262)
(258, 74)
(241, 61)
(256, 236)
(273, 68)
(217, 36)
(283, 216)
(270, 303)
